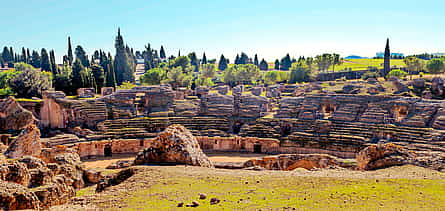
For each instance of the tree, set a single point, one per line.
(263, 65)
(110, 76)
(241, 74)
(162, 53)
(207, 71)
(300, 72)
(324, 62)
(76, 76)
(35, 59)
(82, 56)
(204, 59)
(62, 81)
(222, 63)
(255, 60)
(6, 55)
(52, 59)
(336, 60)
(123, 62)
(70, 52)
(286, 62)
(237, 59)
(30, 83)
(413, 64)
(154, 76)
(244, 59)
(435, 66)
(45, 63)
(181, 61)
(23, 57)
(277, 65)
(177, 78)
(194, 61)
(396, 73)
(272, 77)
(387, 59)
(99, 76)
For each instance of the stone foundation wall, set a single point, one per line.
(239, 144)
(124, 146)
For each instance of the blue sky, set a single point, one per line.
(269, 28)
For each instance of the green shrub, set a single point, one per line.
(370, 74)
(397, 73)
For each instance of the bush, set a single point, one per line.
(370, 74)
(153, 76)
(31, 83)
(397, 73)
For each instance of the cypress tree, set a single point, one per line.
(204, 59)
(6, 55)
(11, 53)
(222, 63)
(35, 59)
(387, 59)
(23, 57)
(122, 62)
(28, 56)
(110, 74)
(277, 65)
(194, 61)
(255, 61)
(263, 65)
(237, 61)
(286, 62)
(70, 52)
(99, 76)
(54, 68)
(162, 53)
(244, 59)
(76, 75)
(45, 63)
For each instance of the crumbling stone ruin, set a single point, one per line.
(177, 126)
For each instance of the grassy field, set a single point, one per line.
(162, 188)
(360, 64)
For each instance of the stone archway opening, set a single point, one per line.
(107, 150)
(257, 148)
(237, 127)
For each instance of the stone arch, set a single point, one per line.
(108, 150)
(257, 148)
(236, 128)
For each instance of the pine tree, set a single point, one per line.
(204, 59)
(70, 52)
(6, 55)
(45, 63)
(286, 62)
(35, 59)
(277, 65)
(255, 61)
(123, 62)
(263, 65)
(162, 53)
(222, 63)
(54, 68)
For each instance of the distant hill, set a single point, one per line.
(355, 57)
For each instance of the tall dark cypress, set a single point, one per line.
(52, 59)
(387, 59)
(45, 64)
(81, 54)
(162, 53)
(194, 61)
(23, 57)
(110, 74)
(204, 59)
(263, 65)
(222, 63)
(255, 61)
(11, 52)
(70, 52)
(6, 55)
(237, 60)
(28, 56)
(123, 62)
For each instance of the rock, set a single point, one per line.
(373, 90)
(86, 92)
(202, 196)
(193, 204)
(383, 156)
(17, 197)
(15, 172)
(418, 83)
(27, 143)
(214, 201)
(115, 179)
(427, 95)
(257, 91)
(13, 116)
(372, 81)
(107, 91)
(180, 204)
(120, 164)
(175, 145)
(93, 176)
(40, 173)
(78, 131)
(292, 161)
(400, 86)
(223, 89)
(437, 86)
(56, 193)
(351, 89)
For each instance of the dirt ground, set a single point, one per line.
(103, 162)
